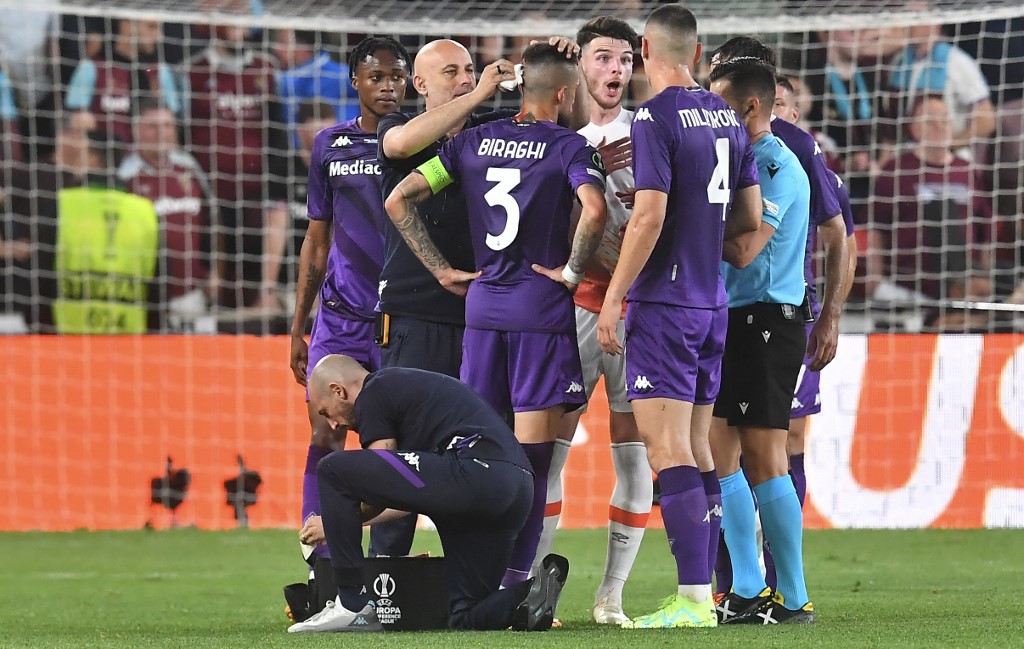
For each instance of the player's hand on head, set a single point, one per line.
(562, 44)
(627, 197)
(299, 359)
(457, 281)
(822, 343)
(312, 532)
(555, 275)
(607, 329)
(494, 74)
(616, 155)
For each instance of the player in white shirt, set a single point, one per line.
(606, 58)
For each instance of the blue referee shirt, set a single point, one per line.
(777, 273)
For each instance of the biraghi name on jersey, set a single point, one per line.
(498, 148)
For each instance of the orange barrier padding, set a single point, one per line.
(90, 421)
(916, 431)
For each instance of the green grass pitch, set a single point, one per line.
(187, 588)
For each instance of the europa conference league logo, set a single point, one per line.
(384, 587)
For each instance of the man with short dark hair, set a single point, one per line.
(696, 184)
(607, 46)
(343, 249)
(827, 221)
(161, 171)
(763, 352)
(431, 446)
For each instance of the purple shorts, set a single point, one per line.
(335, 334)
(674, 352)
(807, 400)
(527, 371)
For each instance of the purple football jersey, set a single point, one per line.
(520, 182)
(843, 195)
(824, 204)
(344, 187)
(690, 145)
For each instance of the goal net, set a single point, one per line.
(918, 107)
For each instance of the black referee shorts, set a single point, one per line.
(764, 350)
(423, 345)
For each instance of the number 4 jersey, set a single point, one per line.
(688, 144)
(520, 181)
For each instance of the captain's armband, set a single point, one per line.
(437, 176)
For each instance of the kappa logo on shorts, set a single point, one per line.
(412, 458)
(574, 388)
(796, 404)
(641, 383)
(743, 406)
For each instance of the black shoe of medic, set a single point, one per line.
(537, 610)
(734, 609)
(773, 612)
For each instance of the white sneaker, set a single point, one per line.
(336, 617)
(609, 611)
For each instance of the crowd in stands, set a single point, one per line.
(213, 126)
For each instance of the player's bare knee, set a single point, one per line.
(796, 440)
(663, 456)
(764, 453)
(622, 428)
(567, 426)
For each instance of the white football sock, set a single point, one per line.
(628, 512)
(696, 593)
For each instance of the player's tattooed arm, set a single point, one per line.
(312, 266)
(404, 213)
(585, 241)
(402, 208)
(590, 228)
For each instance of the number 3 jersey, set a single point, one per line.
(688, 144)
(520, 181)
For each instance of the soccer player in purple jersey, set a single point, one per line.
(764, 350)
(344, 198)
(520, 177)
(807, 400)
(696, 184)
